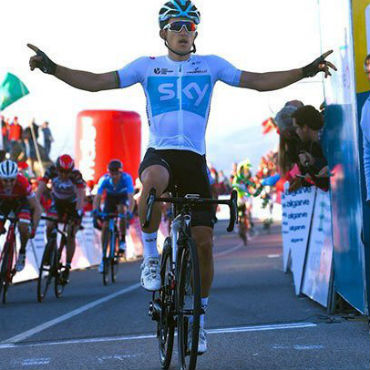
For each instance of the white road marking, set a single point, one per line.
(115, 357)
(228, 250)
(29, 333)
(273, 255)
(242, 329)
(299, 347)
(35, 361)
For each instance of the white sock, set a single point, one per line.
(204, 305)
(150, 245)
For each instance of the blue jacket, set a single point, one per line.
(365, 125)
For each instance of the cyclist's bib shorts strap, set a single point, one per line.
(113, 200)
(188, 170)
(20, 207)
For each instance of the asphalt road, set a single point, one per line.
(254, 320)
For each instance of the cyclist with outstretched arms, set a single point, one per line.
(16, 195)
(68, 192)
(178, 88)
(119, 197)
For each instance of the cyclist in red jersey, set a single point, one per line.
(68, 193)
(16, 195)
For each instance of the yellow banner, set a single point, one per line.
(361, 39)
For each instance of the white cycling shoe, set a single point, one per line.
(202, 341)
(150, 274)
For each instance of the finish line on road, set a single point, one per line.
(58, 320)
(242, 329)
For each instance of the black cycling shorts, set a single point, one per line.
(61, 208)
(112, 201)
(188, 171)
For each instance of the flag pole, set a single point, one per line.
(37, 150)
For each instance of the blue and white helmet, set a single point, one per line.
(8, 169)
(178, 9)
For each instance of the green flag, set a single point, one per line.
(11, 90)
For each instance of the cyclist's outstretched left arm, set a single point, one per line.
(80, 197)
(131, 202)
(277, 80)
(36, 211)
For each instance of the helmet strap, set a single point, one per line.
(194, 50)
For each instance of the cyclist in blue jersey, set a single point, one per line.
(119, 190)
(178, 88)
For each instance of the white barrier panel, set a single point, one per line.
(299, 207)
(316, 281)
(285, 228)
(88, 246)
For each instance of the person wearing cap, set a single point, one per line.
(178, 87)
(119, 197)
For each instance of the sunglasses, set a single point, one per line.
(66, 172)
(114, 173)
(179, 25)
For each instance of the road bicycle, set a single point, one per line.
(178, 304)
(8, 258)
(110, 248)
(53, 263)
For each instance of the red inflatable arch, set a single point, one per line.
(102, 135)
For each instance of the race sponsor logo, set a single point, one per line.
(162, 71)
(164, 94)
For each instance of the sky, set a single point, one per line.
(96, 36)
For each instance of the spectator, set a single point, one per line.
(5, 133)
(365, 126)
(30, 136)
(48, 137)
(225, 185)
(15, 139)
(311, 160)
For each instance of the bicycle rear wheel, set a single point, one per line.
(46, 270)
(6, 270)
(188, 305)
(166, 323)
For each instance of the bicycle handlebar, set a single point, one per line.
(193, 199)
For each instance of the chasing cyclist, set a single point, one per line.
(16, 195)
(67, 191)
(119, 190)
(178, 87)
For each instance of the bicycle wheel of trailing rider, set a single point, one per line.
(6, 270)
(188, 305)
(46, 270)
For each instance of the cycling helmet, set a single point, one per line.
(65, 162)
(8, 169)
(178, 9)
(115, 165)
(243, 165)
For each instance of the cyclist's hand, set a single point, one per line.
(41, 61)
(319, 65)
(95, 213)
(2, 230)
(306, 159)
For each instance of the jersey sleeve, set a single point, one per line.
(223, 70)
(78, 179)
(132, 73)
(130, 184)
(101, 186)
(26, 187)
(50, 173)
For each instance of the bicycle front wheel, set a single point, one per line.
(166, 323)
(106, 258)
(188, 305)
(59, 282)
(6, 270)
(45, 271)
(114, 257)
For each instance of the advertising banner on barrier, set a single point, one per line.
(317, 273)
(285, 228)
(298, 213)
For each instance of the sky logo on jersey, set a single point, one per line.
(164, 94)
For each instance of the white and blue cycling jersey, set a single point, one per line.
(123, 187)
(178, 96)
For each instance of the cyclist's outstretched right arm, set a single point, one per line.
(79, 79)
